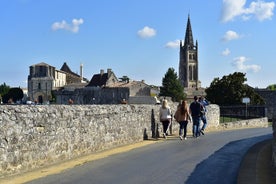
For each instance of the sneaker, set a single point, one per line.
(185, 138)
(180, 137)
(165, 136)
(202, 132)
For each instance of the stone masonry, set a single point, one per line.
(38, 135)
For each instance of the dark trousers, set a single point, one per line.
(165, 126)
(183, 127)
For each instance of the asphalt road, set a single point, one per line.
(211, 159)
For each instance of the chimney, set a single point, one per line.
(108, 71)
(101, 72)
(81, 70)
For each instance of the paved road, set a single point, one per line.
(213, 159)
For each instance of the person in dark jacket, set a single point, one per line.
(195, 108)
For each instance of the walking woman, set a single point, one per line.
(165, 117)
(182, 116)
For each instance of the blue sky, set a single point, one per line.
(139, 39)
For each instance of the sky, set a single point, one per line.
(138, 39)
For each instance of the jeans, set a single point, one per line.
(196, 121)
(183, 126)
(203, 118)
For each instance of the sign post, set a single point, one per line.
(246, 100)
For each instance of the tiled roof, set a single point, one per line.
(41, 64)
(98, 80)
(66, 69)
(125, 84)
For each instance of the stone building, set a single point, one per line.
(44, 78)
(103, 79)
(105, 88)
(189, 63)
(71, 77)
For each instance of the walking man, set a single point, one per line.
(195, 112)
(203, 103)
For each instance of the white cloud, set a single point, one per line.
(146, 32)
(173, 44)
(231, 9)
(226, 52)
(259, 9)
(74, 27)
(240, 65)
(230, 35)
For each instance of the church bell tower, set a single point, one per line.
(188, 60)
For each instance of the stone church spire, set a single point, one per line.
(189, 41)
(188, 61)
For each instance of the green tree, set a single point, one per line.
(4, 89)
(124, 79)
(171, 86)
(231, 89)
(14, 93)
(271, 87)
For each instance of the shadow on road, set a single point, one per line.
(223, 165)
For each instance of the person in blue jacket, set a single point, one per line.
(203, 103)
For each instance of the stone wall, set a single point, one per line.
(258, 122)
(270, 101)
(38, 135)
(274, 146)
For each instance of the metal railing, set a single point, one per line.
(234, 113)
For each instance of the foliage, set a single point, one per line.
(14, 93)
(171, 86)
(271, 87)
(231, 89)
(4, 89)
(124, 79)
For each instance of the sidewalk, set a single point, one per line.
(256, 166)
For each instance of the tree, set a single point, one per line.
(4, 89)
(171, 86)
(231, 89)
(14, 93)
(271, 87)
(124, 79)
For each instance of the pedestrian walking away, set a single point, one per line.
(165, 117)
(182, 116)
(195, 108)
(203, 118)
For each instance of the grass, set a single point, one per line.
(224, 119)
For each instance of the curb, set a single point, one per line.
(256, 165)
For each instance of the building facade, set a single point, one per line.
(105, 88)
(44, 78)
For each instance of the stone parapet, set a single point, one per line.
(257, 122)
(38, 135)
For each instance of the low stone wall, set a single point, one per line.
(258, 122)
(39, 135)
